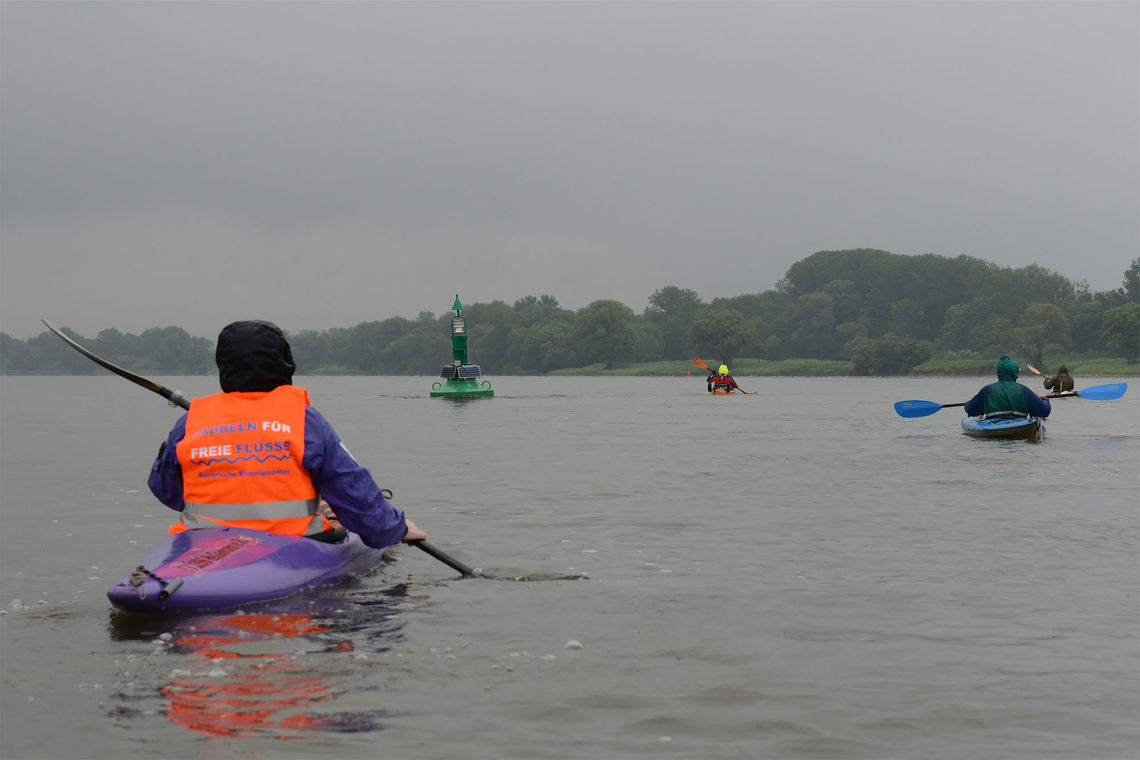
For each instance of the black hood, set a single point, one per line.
(253, 356)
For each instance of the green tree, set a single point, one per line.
(810, 327)
(312, 350)
(992, 337)
(1131, 288)
(489, 328)
(49, 354)
(721, 333)
(111, 342)
(765, 313)
(172, 349)
(886, 355)
(960, 320)
(13, 355)
(423, 349)
(672, 310)
(767, 305)
(544, 347)
(366, 346)
(1085, 314)
(907, 295)
(530, 310)
(1122, 329)
(648, 342)
(603, 333)
(1043, 327)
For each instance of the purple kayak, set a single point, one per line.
(224, 567)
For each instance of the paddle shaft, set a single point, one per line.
(444, 558)
(177, 399)
(174, 397)
(917, 408)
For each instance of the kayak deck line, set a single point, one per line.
(139, 575)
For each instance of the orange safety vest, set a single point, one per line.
(241, 463)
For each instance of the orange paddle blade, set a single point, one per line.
(699, 363)
(1034, 370)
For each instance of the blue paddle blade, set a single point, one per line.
(916, 408)
(1104, 392)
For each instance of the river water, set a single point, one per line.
(797, 573)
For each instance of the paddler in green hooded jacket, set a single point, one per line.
(1060, 382)
(1007, 396)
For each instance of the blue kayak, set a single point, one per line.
(225, 567)
(1004, 426)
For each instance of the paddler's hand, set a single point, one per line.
(414, 533)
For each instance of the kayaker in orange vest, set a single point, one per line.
(721, 380)
(257, 455)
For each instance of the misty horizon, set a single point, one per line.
(326, 164)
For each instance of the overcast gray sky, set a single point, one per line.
(324, 164)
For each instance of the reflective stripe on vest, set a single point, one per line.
(265, 510)
(304, 526)
(241, 463)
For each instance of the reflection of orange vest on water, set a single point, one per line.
(241, 463)
(267, 693)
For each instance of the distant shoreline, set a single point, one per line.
(1099, 371)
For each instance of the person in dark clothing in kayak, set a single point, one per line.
(1060, 382)
(721, 380)
(1007, 395)
(257, 455)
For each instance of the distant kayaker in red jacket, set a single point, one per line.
(721, 380)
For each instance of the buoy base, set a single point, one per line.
(462, 388)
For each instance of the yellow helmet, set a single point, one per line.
(723, 369)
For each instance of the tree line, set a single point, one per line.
(883, 312)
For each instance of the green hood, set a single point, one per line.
(1006, 395)
(1007, 369)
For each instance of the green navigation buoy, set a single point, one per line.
(461, 379)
